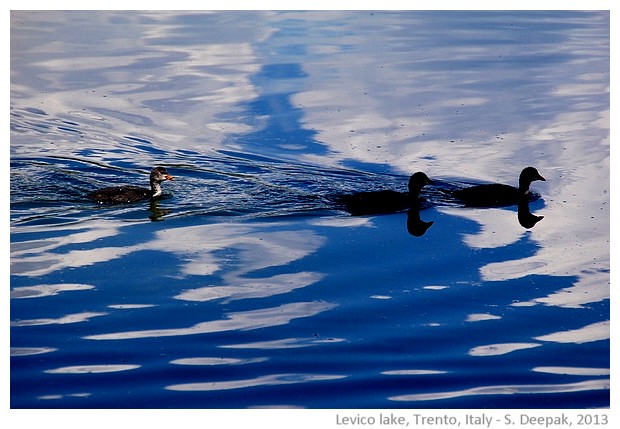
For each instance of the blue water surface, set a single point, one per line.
(248, 285)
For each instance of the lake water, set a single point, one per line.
(247, 286)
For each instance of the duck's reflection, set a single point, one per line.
(526, 219)
(156, 212)
(418, 227)
(415, 225)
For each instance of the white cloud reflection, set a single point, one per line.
(514, 389)
(284, 343)
(69, 318)
(39, 291)
(91, 369)
(266, 380)
(594, 332)
(425, 105)
(434, 111)
(404, 109)
(42, 256)
(251, 288)
(563, 370)
(67, 395)
(239, 321)
(139, 69)
(481, 317)
(30, 351)
(500, 349)
(259, 245)
(214, 361)
(414, 372)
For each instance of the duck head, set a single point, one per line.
(527, 176)
(417, 181)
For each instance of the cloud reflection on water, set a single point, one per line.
(251, 288)
(435, 104)
(266, 380)
(440, 105)
(258, 245)
(285, 343)
(500, 349)
(599, 331)
(40, 291)
(44, 256)
(211, 361)
(132, 87)
(520, 389)
(238, 321)
(69, 318)
(91, 369)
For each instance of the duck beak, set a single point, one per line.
(169, 177)
(541, 178)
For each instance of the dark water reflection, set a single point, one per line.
(526, 218)
(247, 285)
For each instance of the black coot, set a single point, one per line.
(387, 201)
(128, 194)
(495, 195)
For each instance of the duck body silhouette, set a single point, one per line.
(385, 201)
(129, 193)
(498, 195)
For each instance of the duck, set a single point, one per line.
(497, 194)
(130, 193)
(385, 201)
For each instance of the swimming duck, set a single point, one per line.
(129, 193)
(386, 201)
(496, 194)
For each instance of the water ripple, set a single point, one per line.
(515, 389)
(267, 380)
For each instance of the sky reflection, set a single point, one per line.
(285, 343)
(500, 349)
(407, 113)
(581, 386)
(43, 256)
(594, 332)
(259, 245)
(132, 87)
(67, 319)
(91, 369)
(40, 291)
(267, 380)
(210, 361)
(252, 288)
(239, 321)
(263, 115)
